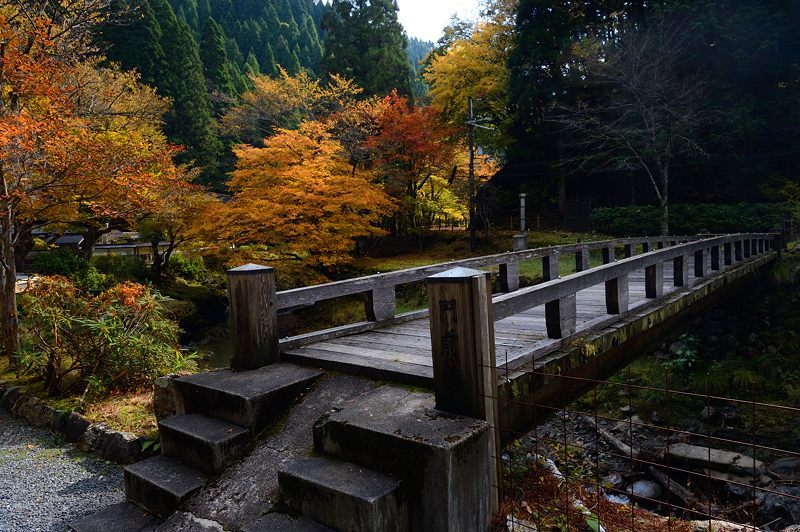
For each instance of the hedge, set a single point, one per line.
(685, 219)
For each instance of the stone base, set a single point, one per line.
(442, 459)
(520, 241)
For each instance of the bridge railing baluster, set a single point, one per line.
(582, 260)
(700, 263)
(380, 303)
(680, 271)
(617, 299)
(550, 267)
(715, 264)
(509, 277)
(654, 280)
(727, 253)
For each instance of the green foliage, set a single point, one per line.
(687, 219)
(686, 356)
(62, 261)
(117, 340)
(65, 262)
(215, 60)
(382, 65)
(120, 267)
(189, 268)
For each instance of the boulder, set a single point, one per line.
(75, 426)
(10, 397)
(118, 447)
(716, 459)
(786, 468)
(165, 397)
(781, 510)
(645, 489)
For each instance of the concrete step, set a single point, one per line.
(160, 484)
(204, 443)
(343, 496)
(251, 399)
(121, 517)
(275, 522)
(443, 459)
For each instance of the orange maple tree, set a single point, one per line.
(62, 159)
(299, 198)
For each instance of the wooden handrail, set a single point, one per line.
(506, 305)
(312, 294)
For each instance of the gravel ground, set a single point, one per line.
(46, 482)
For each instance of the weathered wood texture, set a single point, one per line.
(254, 319)
(463, 351)
(380, 304)
(509, 276)
(654, 280)
(617, 297)
(561, 317)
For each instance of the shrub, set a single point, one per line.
(64, 262)
(191, 269)
(687, 219)
(117, 340)
(121, 267)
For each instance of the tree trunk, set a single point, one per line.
(664, 202)
(9, 326)
(157, 268)
(22, 246)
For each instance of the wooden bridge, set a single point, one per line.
(637, 275)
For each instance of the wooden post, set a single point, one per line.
(699, 263)
(254, 317)
(761, 248)
(728, 253)
(654, 280)
(737, 251)
(609, 255)
(680, 273)
(629, 250)
(582, 260)
(746, 243)
(550, 267)
(561, 317)
(509, 277)
(660, 244)
(380, 303)
(462, 342)
(715, 258)
(617, 295)
(753, 247)
(646, 247)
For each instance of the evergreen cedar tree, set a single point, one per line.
(80, 143)
(745, 49)
(366, 43)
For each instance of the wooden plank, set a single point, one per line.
(401, 372)
(392, 356)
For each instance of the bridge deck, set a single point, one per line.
(405, 349)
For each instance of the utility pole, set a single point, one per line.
(473, 245)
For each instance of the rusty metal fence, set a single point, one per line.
(611, 461)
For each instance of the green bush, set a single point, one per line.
(191, 269)
(685, 219)
(66, 263)
(62, 261)
(117, 340)
(121, 267)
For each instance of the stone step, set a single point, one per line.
(204, 443)
(343, 496)
(251, 399)
(275, 522)
(443, 459)
(121, 517)
(160, 484)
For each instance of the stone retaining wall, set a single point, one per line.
(112, 445)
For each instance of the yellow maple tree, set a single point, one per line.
(299, 198)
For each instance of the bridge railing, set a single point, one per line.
(559, 295)
(254, 302)
(380, 301)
